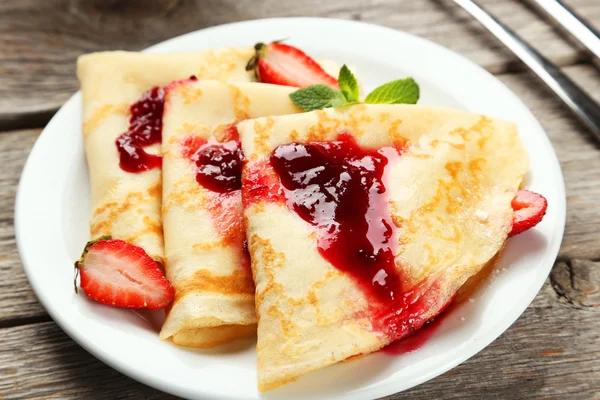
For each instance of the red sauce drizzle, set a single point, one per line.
(415, 341)
(145, 128)
(218, 169)
(260, 182)
(338, 187)
(219, 164)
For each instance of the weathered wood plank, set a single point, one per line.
(552, 352)
(41, 39)
(577, 282)
(17, 301)
(41, 361)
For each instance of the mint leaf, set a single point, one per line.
(348, 84)
(401, 91)
(317, 97)
(341, 102)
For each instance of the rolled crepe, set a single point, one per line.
(204, 235)
(127, 205)
(448, 181)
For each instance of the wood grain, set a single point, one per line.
(41, 361)
(551, 352)
(41, 39)
(577, 282)
(17, 302)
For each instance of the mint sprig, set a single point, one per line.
(317, 97)
(400, 91)
(348, 84)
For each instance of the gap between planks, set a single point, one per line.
(14, 322)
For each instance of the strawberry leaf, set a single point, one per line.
(348, 84)
(317, 97)
(401, 91)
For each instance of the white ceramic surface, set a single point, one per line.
(53, 210)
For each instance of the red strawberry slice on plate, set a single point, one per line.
(119, 274)
(529, 209)
(281, 64)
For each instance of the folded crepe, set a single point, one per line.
(364, 221)
(122, 102)
(202, 207)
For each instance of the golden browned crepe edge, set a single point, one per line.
(262, 143)
(186, 104)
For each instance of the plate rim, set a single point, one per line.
(382, 389)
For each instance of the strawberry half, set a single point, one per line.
(281, 64)
(529, 209)
(119, 274)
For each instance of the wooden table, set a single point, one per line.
(551, 352)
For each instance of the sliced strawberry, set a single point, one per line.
(119, 274)
(529, 209)
(286, 65)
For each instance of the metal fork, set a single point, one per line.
(573, 23)
(582, 105)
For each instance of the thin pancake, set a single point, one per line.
(449, 197)
(205, 261)
(127, 205)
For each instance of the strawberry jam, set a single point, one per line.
(338, 187)
(413, 342)
(145, 128)
(220, 166)
(260, 183)
(219, 169)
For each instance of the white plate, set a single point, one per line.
(53, 210)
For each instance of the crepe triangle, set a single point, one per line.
(449, 178)
(204, 235)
